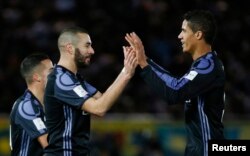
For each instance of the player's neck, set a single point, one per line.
(68, 64)
(37, 91)
(200, 51)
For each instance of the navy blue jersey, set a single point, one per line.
(68, 126)
(27, 124)
(202, 89)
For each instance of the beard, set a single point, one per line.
(81, 60)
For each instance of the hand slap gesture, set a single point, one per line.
(136, 44)
(130, 61)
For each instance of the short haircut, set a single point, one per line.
(69, 35)
(30, 64)
(202, 20)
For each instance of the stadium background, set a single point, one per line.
(140, 123)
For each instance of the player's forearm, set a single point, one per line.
(43, 140)
(115, 90)
(156, 66)
(109, 97)
(159, 84)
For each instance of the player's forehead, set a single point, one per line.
(84, 38)
(186, 25)
(47, 63)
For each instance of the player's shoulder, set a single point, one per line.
(65, 79)
(26, 96)
(205, 64)
(28, 107)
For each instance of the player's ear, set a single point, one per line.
(69, 48)
(199, 35)
(36, 77)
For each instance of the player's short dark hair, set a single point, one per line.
(202, 20)
(29, 65)
(70, 35)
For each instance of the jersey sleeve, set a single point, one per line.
(71, 91)
(195, 82)
(91, 90)
(30, 119)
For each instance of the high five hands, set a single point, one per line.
(138, 48)
(130, 61)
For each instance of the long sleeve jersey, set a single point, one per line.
(202, 91)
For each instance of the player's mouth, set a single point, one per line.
(182, 44)
(88, 58)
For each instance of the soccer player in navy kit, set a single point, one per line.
(28, 134)
(69, 99)
(202, 87)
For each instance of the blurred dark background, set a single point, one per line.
(140, 123)
(29, 26)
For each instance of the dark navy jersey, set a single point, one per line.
(27, 124)
(202, 89)
(68, 126)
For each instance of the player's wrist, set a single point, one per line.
(143, 64)
(127, 75)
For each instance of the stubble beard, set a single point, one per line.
(79, 59)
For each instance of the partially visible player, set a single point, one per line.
(28, 134)
(202, 87)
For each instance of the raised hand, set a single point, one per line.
(130, 61)
(137, 45)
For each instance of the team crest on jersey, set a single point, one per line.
(191, 75)
(80, 91)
